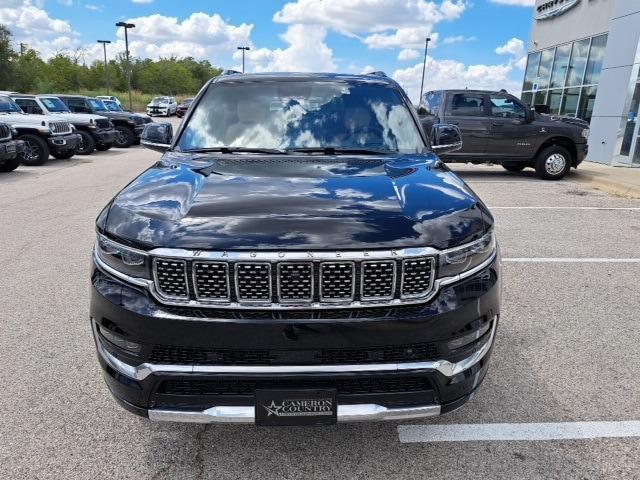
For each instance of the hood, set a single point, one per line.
(239, 202)
(83, 118)
(118, 115)
(28, 119)
(163, 103)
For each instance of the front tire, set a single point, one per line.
(10, 165)
(36, 150)
(124, 138)
(87, 144)
(514, 167)
(553, 163)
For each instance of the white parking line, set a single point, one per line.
(569, 260)
(566, 208)
(517, 431)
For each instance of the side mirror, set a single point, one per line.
(422, 111)
(445, 138)
(157, 136)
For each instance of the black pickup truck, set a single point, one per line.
(499, 128)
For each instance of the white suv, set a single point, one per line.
(166, 106)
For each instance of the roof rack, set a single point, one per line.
(377, 73)
(230, 72)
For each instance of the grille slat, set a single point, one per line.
(287, 283)
(60, 127)
(5, 132)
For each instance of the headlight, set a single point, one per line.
(460, 259)
(585, 133)
(131, 262)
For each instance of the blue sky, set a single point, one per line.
(476, 43)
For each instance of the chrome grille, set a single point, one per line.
(211, 281)
(171, 278)
(417, 277)
(5, 131)
(253, 282)
(270, 282)
(378, 279)
(60, 127)
(295, 282)
(337, 281)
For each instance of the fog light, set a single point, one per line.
(119, 341)
(469, 338)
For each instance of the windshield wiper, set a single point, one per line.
(339, 151)
(267, 151)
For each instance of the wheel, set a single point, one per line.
(101, 147)
(553, 163)
(87, 144)
(65, 155)
(10, 165)
(124, 138)
(36, 150)
(514, 167)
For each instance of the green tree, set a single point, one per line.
(6, 55)
(29, 71)
(167, 76)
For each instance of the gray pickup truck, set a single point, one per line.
(499, 128)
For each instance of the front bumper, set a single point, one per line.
(63, 143)
(140, 381)
(157, 111)
(9, 150)
(105, 136)
(582, 150)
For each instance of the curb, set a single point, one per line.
(603, 182)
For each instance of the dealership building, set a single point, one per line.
(584, 60)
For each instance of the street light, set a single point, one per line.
(127, 26)
(243, 50)
(424, 65)
(106, 69)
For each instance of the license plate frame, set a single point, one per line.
(296, 407)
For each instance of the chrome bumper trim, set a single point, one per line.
(142, 371)
(246, 414)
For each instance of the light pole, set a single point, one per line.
(127, 26)
(106, 67)
(424, 65)
(243, 50)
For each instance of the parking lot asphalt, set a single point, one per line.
(566, 351)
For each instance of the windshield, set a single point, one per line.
(160, 100)
(302, 114)
(97, 105)
(187, 101)
(8, 105)
(54, 105)
(112, 106)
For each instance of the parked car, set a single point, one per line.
(110, 98)
(128, 126)
(114, 107)
(96, 131)
(10, 149)
(43, 135)
(299, 255)
(183, 107)
(166, 106)
(498, 128)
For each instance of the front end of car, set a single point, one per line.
(61, 136)
(103, 132)
(158, 109)
(9, 148)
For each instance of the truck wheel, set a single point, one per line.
(124, 138)
(553, 163)
(65, 155)
(9, 165)
(36, 150)
(514, 167)
(101, 147)
(87, 144)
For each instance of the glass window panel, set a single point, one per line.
(596, 58)
(587, 99)
(555, 96)
(527, 97)
(570, 102)
(532, 70)
(632, 118)
(578, 62)
(560, 66)
(540, 97)
(544, 70)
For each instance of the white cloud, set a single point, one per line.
(411, 37)
(458, 39)
(307, 52)
(441, 74)
(408, 54)
(515, 49)
(516, 3)
(95, 8)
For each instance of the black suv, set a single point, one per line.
(129, 126)
(498, 128)
(9, 148)
(299, 255)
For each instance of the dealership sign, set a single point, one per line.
(553, 8)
